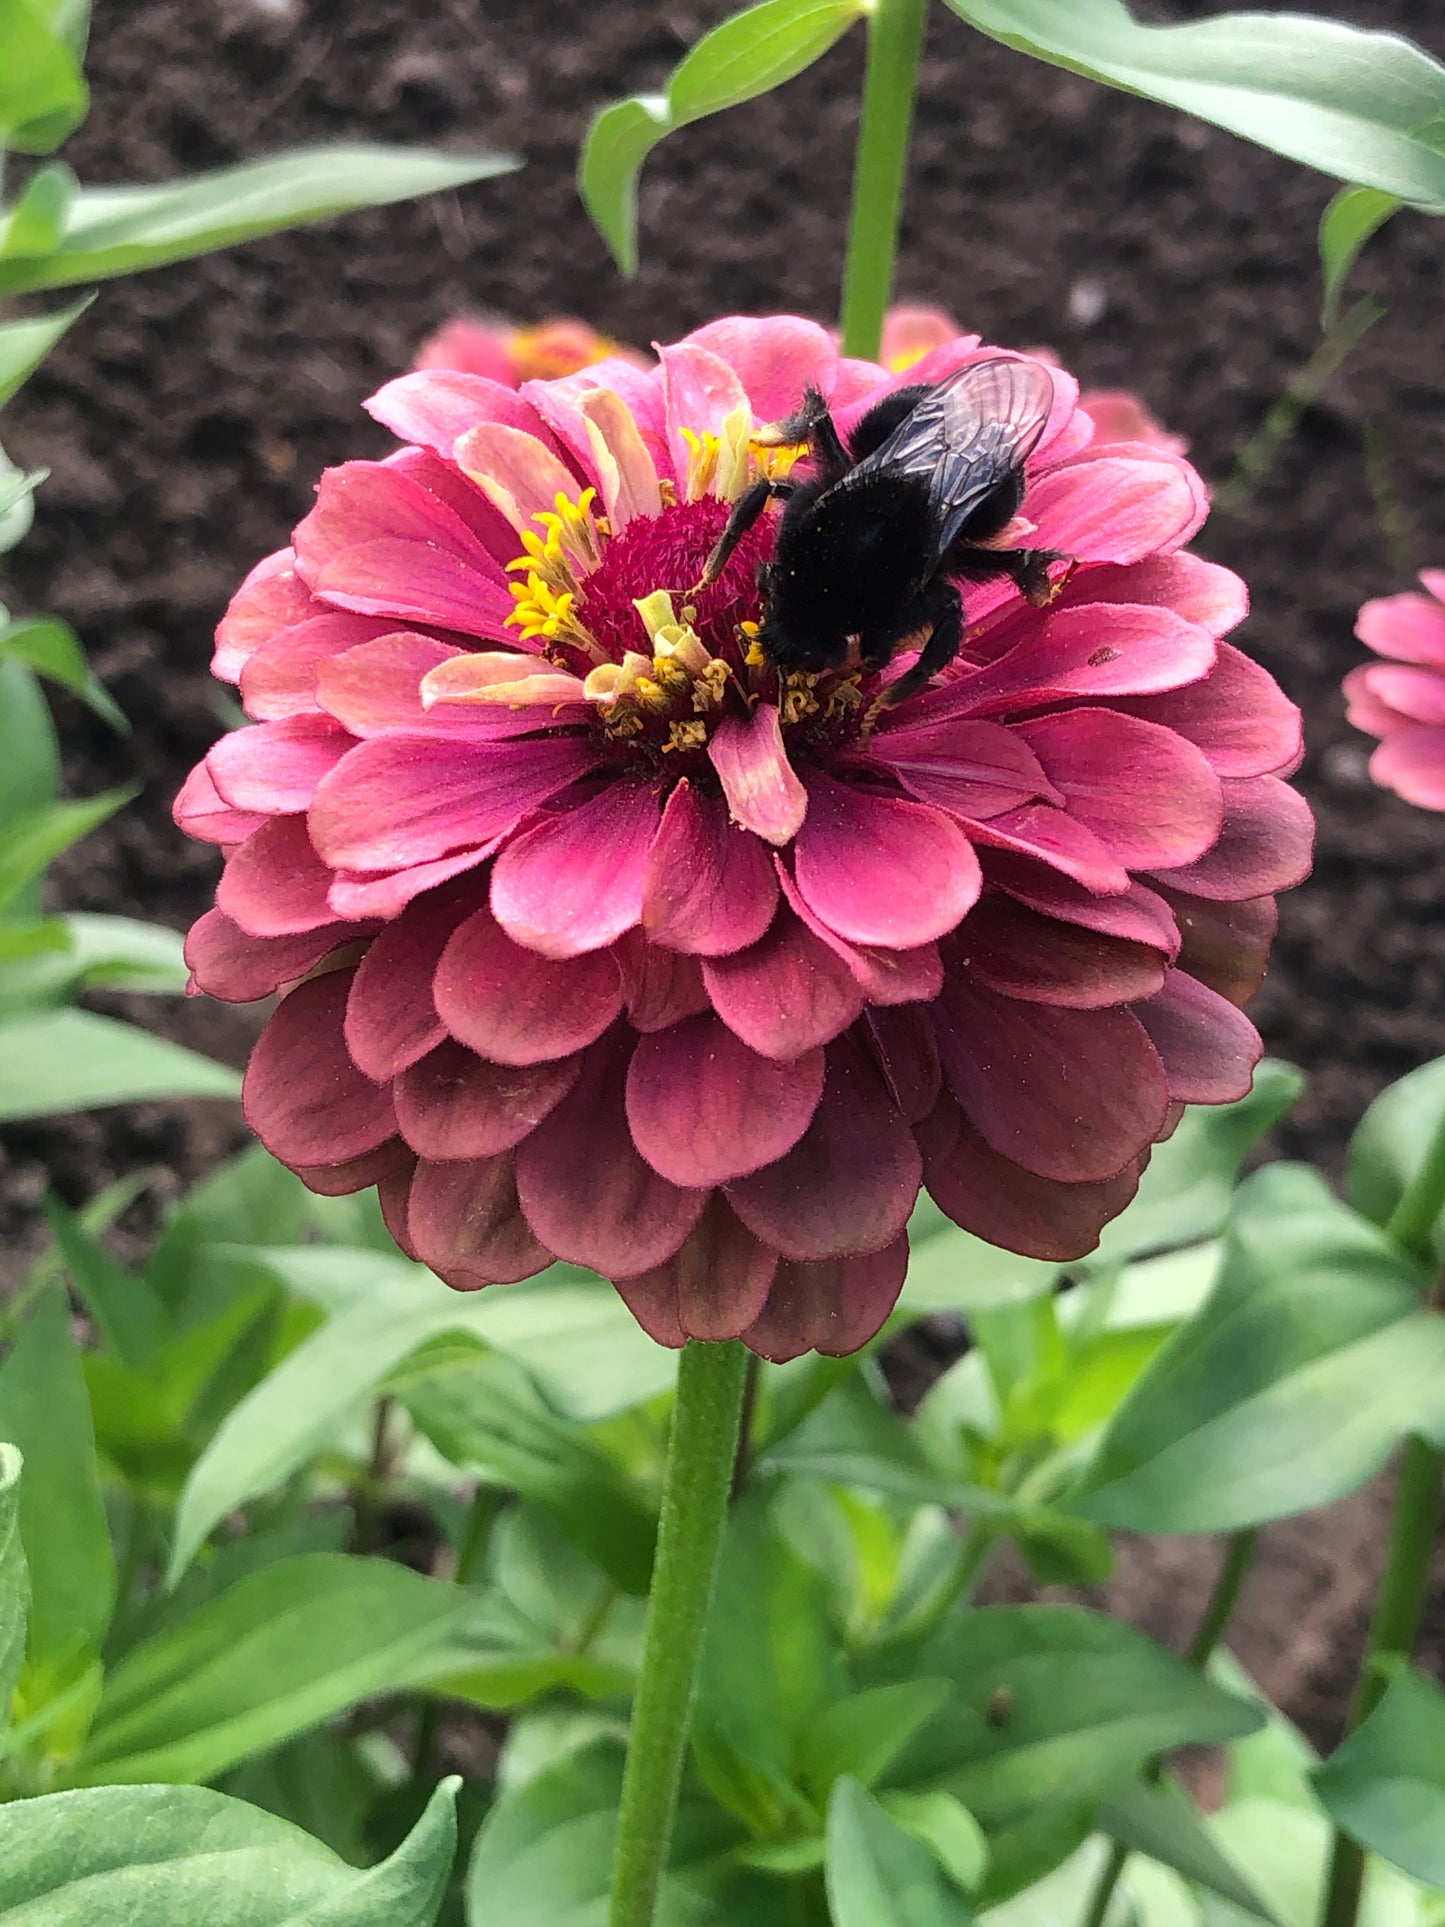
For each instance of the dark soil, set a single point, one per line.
(185, 420)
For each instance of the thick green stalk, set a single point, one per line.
(1239, 1551)
(895, 41)
(701, 1455)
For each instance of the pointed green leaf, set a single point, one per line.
(1160, 1822)
(1391, 1140)
(30, 843)
(1368, 108)
(74, 1060)
(880, 1876)
(17, 506)
(43, 95)
(14, 1582)
(174, 1856)
(52, 648)
(34, 224)
(129, 1316)
(746, 56)
(25, 344)
(1386, 1784)
(122, 230)
(1351, 218)
(948, 1830)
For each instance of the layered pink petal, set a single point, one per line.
(303, 1096)
(464, 1221)
(659, 987)
(785, 994)
(1201, 592)
(275, 885)
(1101, 649)
(454, 1104)
(226, 962)
(514, 1006)
(279, 679)
(202, 812)
(363, 502)
(700, 390)
(517, 472)
(574, 881)
(1225, 945)
(762, 788)
(702, 1107)
(272, 597)
(906, 1051)
(356, 894)
(391, 1015)
(434, 407)
(880, 871)
(1057, 839)
(384, 1165)
(707, 886)
(1411, 628)
(1148, 795)
(1238, 716)
(1022, 954)
(833, 1307)
(418, 582)
(1412, 763)
(1118, 508)
(1415, 695)
(713, 1288)
(884, 976)
(1138, 916)
(775, 359)
(626, 473)
(1207, 1047)
(972, 769)
(276, 767)
(1265, 845)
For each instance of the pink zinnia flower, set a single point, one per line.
(605, 943)
(544, 352)
(1403, 700)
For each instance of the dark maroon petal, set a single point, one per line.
(227, 963)
(399, 801)
(1148, 795)
(702, 1107)
(880, 871)
(391, 1018)
(1266, 844)
(999, 1201)
(713, 1288)
(1139, 915)
(454, 1104)
(463, 1220)
(850, 1181)
(1056, 838)
(587, 1192)
(303, 1096)
(785, 994)
(834, 1307)
(1069, 1094)
(276, 767)
(573, 882)
(1015, 950)
(907, 1053)
(971, 768)
(659, 987)
(1226, 945)
(393, 1194)
(1208, 1048)
(358, 1174)
(1239, 716)
(275, 885)
(707, 886)
(515, 1007)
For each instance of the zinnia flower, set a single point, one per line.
(606, 943)
(544, 352)
(1403, 700)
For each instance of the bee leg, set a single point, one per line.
(746, 510)
(943, 606)
(1028, 570)
(813, 424)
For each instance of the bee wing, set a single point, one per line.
(966, 435)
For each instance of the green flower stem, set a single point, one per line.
(701, 1455)
(895, 41)
(1239, 1551)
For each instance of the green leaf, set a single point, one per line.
(45, 1412)
(947, 1828)
(74, 1060)
(1368, 108)
(122, 230)
(43, 95)
(29, 754)
(96, 953)
(35, 222)
(131, 1319)
(1310, 1361)
(280, 1651)
(17, 508)
(1347, 223)
(1390, 1143)
(951, 1270)
(1053, 1703)
(1386, 1784)
(25, 344)
(14, 1582)
(173, 1856)
(748, 55)
(862, 1735)
(1161, 1823)
(878, 1875)
(30, 843)
(52, 648)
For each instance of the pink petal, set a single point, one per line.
(454, 1104)
(1148, 795)
(464, 342)
(774, 358)
(1117, 508)
(1411, 628)
(659, 987)
(625, 470)
(272, 597)
(1057, 839)
(762, 789)
(884, 976)
(834, 1307)
(1208, 1048)
(1069, 1094)
(397, 801)
(849, 1183)
(972, 769)
(712, 1288)
(700, 391)
(707, 886)
(1417, 695)
(1266, 844)
(1364, 707)
(393, 1194)
(275, 767)
(1238, 715)
(558, 403)
(1101, 649)
(444, 481)
(516, 1007)
(910, 333)
(586, 1191)
(463, 1220)
(1022, 954)
(574, 881)
(1412, 763)
(880, 871)
(391, 1017)
(999, 1201)
(385, 1163)
(280, 678)
(1202, 592)
(518, 473)
(303, 1096)
(240, 969)
(363, 502)
(375, 689)
(702, 1107)
(1139, 915)
(275, 885)
(785, 994)
(1226, 945)
(502, 680)
(418, 582)
(354, 894)
(434, 406)
(201, 812)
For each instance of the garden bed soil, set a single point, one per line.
(185, 419)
